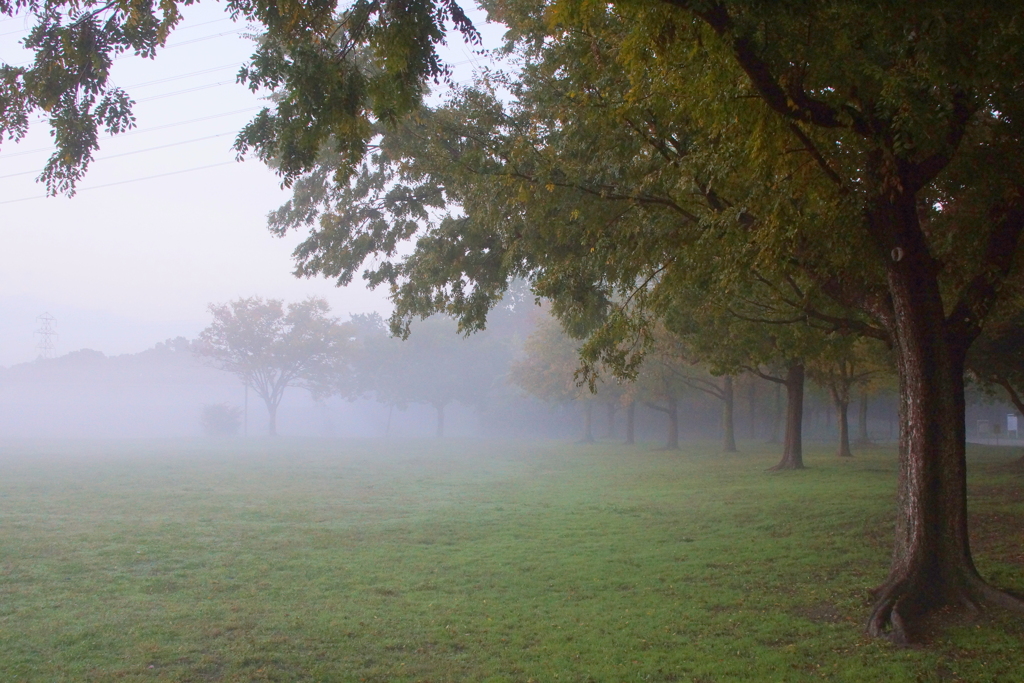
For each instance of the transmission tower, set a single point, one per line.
(47, 335)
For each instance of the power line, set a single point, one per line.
(11, 33)
(182, 92)
(137, 131)
(134, 151)
(183, 28)
(126, 55)
(125, 182)
(180, 76)
(197, 40)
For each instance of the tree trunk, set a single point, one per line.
(672, 442)
(588, 422)
(271, 418)
(773, 437)
(931, 563)
(728, 411)
(752, 406)
(842, 404)
(792, 452)
(439, 407)
(863, 438)
(631, 423)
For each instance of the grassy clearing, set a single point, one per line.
(469, 561)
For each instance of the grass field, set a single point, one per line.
(470, 561)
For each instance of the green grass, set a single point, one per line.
(470, 561)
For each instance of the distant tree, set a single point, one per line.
(221, 419)
(435, 365)
(270, 348)
(546, 369)
(997, 359)
(668, 370)
(842, 366)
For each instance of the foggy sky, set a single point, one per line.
(129, 262)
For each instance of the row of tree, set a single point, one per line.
(765, 180)
(550, 365)
(272, 347)
(768, 183)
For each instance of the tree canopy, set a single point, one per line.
(339, 68)
(435, 366)
(271, 348)
(861, 167)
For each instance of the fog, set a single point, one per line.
(167, 222)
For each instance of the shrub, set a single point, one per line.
(221, 419)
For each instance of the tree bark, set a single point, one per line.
(931, 564)
(728, 413)
(588, 422)
(842, 404)
(631, 423)
(792, 452)
(863, 438)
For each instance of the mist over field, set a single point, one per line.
(162, 392)
(511, 341)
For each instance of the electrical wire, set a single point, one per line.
(146, 84)
(195, 40)
(127, 55)
(137, 131)
(182, 92)
(134, 151)
(183, 28)
(125, 182)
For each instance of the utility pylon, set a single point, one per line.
(47, 335)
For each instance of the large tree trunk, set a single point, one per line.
(931, 563)
(728, 412)
(842, 404)
(588, 422)
(792, 452)
(631, 423)
(863, 438)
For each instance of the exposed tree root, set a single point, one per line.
(902, 607)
